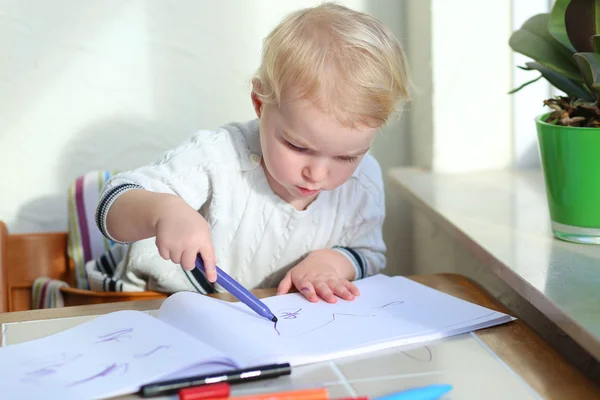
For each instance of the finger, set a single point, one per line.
(324, 291)
(352, 288)
(285, 285)
(176, 257)
(342, 291)
(208, 258)
(188, 260)
(164, 253)
(307, 289)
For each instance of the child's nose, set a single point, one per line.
(315, 173)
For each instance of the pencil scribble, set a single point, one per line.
(115, 336)
(290, 314)
(33, 376)
(48, 365)
(110, 370)
(392, 303)
(154, 350)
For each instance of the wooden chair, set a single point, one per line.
(26, 257)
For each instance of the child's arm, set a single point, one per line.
(134, 214)
(181, 233)
(161, 200)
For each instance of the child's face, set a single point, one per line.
(306, 151)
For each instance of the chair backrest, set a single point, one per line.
(86, 242)
(25, 257)
(56, 255)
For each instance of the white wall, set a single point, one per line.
(462, 118)
(528, 102)
(112, 84)
(461, 115)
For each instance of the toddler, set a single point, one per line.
(291, 198)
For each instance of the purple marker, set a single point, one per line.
(238, 291)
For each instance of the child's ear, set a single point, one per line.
(256, 101)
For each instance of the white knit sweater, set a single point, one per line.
(256, 235)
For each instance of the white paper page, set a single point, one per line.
(216, 322)
(389, 312)
(110, 355)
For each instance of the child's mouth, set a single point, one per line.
(306, 192)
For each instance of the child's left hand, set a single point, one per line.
(322, 274)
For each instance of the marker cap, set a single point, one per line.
(214, 391)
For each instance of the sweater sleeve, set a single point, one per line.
(363, 244)
(186, 171)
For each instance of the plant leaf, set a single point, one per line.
(582, 21)
(525, 84)
(589, 64)
(596, 43)
(571, 88)
(534, 40)
(556, 24)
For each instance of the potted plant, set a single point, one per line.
(565, 48)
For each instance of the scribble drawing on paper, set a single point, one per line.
(46, 365)
(116, 336)
(112, 369)
(294, 313)
(35, 376)
(287, 314)
(392, 303)
(154, 350)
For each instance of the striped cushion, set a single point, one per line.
(46, 293)
(86, 242)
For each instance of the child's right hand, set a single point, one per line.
(182, 233)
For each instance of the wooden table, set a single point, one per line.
(515, 343)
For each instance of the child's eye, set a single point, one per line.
(295, 148)
(349, 159)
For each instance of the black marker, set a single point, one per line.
(235, 376)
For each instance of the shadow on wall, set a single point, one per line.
(186, 73)
(118, 144)
(42, 214)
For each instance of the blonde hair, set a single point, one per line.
(345, 62)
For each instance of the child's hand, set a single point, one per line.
(182, 233)
(322, 274)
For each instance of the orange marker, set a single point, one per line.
(306, 394)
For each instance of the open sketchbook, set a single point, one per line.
(116, 353)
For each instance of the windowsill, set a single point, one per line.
(502, 216)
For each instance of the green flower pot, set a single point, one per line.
(571, 165)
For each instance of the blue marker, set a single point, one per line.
(431, 392)
(239, 292)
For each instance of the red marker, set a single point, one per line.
(214, 391)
